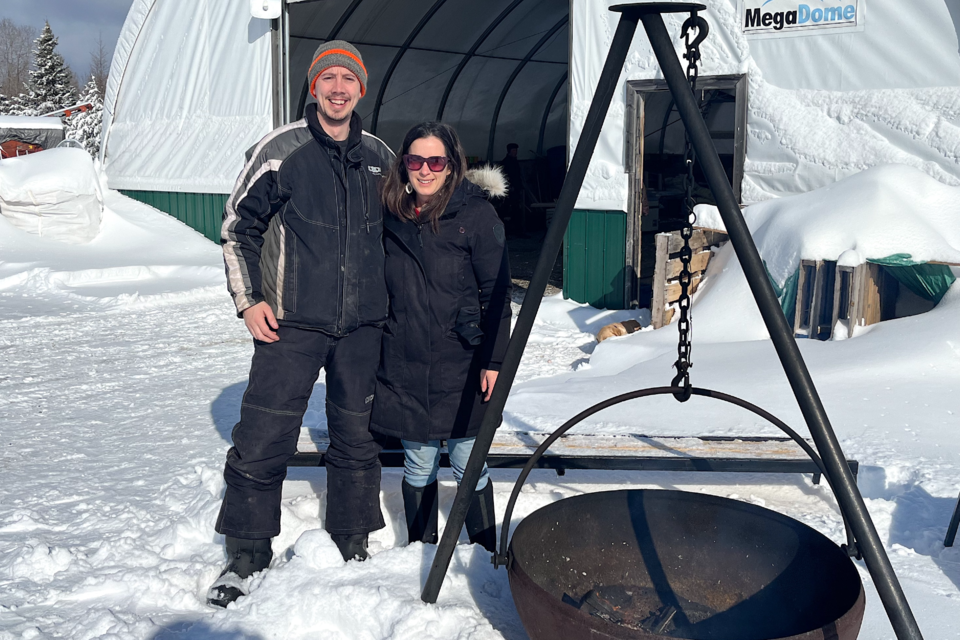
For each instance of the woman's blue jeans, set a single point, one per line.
(421, 461)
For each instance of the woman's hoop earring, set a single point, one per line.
(408, 188)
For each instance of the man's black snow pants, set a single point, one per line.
(282, 376)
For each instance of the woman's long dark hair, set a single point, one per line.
(393, 193)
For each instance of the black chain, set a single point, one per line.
(684, 326)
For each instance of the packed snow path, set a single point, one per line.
(116, 409)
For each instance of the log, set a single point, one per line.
(658, 302)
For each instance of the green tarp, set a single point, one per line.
(929, 281)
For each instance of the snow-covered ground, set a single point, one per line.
(123, 368)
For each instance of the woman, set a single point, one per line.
(448, 281)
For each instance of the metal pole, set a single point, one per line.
(952, 529)
(843, 482)
(531, 301)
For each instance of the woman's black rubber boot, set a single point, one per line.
(482, 519)
(244, 558)
(352, 546)
(421, 506)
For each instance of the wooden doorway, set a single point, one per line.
(654, 160)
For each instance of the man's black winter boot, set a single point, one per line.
(481, 519)
(421, 506)
(352, 546)
(244, 558)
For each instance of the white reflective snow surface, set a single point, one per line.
(123, 369)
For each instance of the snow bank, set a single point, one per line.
(141, 257)
(876, 213)
(54, 194)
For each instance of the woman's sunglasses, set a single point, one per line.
(434, 163)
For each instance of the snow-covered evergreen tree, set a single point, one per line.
(51, 86)
(21, 105)
(85, 127)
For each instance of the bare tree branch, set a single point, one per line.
(100, 65)
(16, 57)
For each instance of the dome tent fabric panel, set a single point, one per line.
(819, 107)
(189, 92)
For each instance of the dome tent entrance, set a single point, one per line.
(494, 70)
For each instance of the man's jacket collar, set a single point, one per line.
(354, 139)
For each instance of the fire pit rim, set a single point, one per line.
(850, 619)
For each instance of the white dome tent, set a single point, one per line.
(193, 85)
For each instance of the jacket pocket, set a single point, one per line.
(289, 297)
(467, 326)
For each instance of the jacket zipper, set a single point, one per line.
(343, 228)
(363, 198)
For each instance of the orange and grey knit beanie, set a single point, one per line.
(337, 53)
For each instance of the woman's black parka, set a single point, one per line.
(449, 318)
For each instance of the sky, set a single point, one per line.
(77, 24)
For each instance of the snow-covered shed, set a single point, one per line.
(800, 93)
(873, 246)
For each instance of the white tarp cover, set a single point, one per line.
(820, 107)
(45, 132)
(54, 194)
(189, 92)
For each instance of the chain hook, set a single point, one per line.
(684, 324)
(698, 23)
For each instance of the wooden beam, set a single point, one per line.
(658, 302)
(698, 264)
(701, 238)
(870, 295)
(672, 290)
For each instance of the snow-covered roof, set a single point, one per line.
(30, 122)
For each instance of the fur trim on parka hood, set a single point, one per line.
(490, 178)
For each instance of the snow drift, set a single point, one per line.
(54, 194)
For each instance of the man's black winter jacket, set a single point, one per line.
(302, 229)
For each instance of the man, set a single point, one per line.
(302, 246)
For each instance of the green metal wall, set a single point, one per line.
(201, 211)
(594, 258)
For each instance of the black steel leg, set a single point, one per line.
(952, 529)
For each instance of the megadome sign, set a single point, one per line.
(792, 17)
